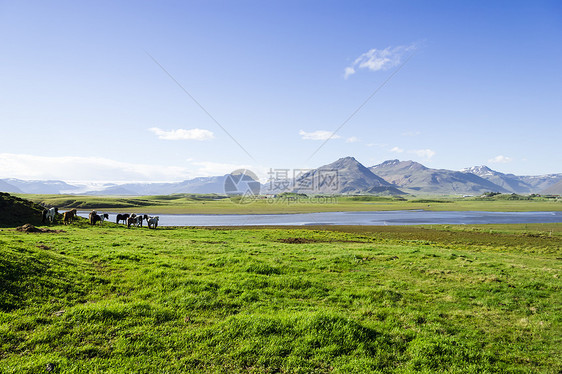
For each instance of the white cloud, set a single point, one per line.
(348, 71)
(397, 150)
(352, 139)
(411, 133)
(500, 159)
(68, 168)
(379, 59)
(380, 145)
(318, 135)
(96, 171)
(210, 168)
(424, 153)
(182, 134)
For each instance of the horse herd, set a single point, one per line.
(136, 220)
(129, 219)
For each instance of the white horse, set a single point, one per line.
(152, 221)
(50, 214)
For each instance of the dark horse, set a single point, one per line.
(99, 218)
(122, 217)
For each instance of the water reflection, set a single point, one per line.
(402, 217)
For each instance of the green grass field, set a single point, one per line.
(213, 204)
(470, 299)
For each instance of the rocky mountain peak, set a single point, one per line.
(479, 170)
(345, 162)
(397, 165)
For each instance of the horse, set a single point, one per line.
(69, 216)
(132, 220)
(92, 216)
(99, 218)
(49, 215)
(122, 217)
(152, 221)
(140, 218)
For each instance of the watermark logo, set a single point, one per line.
(290, 186)
(313, 181)
(242, 186)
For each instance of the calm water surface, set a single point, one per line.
(400, 217)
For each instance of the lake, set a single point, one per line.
(378, 218)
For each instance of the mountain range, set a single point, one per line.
(344, 176)
(415, 178)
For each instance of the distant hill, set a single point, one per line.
(15, 211)
(555, 189)
(510, 182)
(40, 187)
(515, 183)
(390, 177)
(197, 185)
(117, 190)
(7, 187)
(540, 183)
(344, 176)
(414, 177)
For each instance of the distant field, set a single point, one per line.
(458, 299)
(213, 204)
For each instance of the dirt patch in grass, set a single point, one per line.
(296, 240)
(292, 240)
(30, 228)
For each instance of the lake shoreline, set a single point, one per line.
(355, 218)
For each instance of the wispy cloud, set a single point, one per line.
(348, 71)
(210, 168)
(411, 133)
(379, 59)
(25, 166)
(182, 134)
(98, 170)
(318, 135)
(379, 145)
(500, 160)
(424, 153)
(352, 139)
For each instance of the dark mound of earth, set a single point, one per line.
(15, 211)
(30, 228)
(296, 240)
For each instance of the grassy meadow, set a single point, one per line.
(216, 204)
(458, 299)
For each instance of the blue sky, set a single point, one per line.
(171, 90)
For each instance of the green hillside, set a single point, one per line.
(15, 211)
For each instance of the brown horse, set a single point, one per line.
(69, 216)
(92, 216)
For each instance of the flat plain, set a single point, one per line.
(458, 299)
(215, 204)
